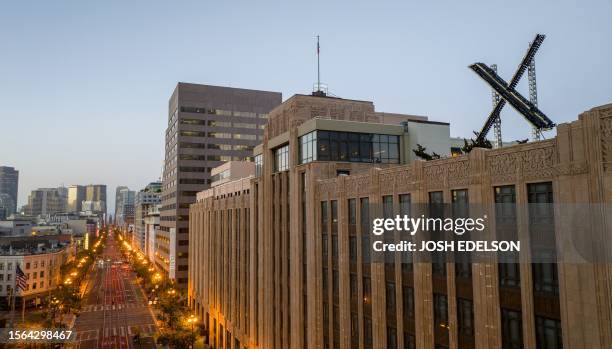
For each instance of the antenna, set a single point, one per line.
(318, 65)
(319, 90)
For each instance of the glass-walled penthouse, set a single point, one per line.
(349, 146)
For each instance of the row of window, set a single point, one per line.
(349, 146)
(215, 123)
(240, 147)
(213, 111)
(191, 157)
(544, 275)
(220, 135)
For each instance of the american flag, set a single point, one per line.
(20, 279)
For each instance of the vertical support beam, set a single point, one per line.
(497, 140)
(533, 95)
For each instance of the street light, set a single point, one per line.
(192, 320)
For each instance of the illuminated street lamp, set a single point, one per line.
(192, 320)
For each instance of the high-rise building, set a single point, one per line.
(76, 196)
(96, 193)
(119, 193)
(207, 125)
(46, 201)
(147, 198)
(124, 206)
(286, 259)
(9, 183)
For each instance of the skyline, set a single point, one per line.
(91, 82)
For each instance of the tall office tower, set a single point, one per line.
(120, 193)
(96, 193)
(46, 201)
(76, 196)
(207, 125)
(145, 200)
(127, 208)
(9, 182)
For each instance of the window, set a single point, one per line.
(357, 147)
(1, 277)
(308, 147)
(465, 316)
(505, 220)
(353, 249)
(460, 204)
(391, 337)
(390, 296)
(512, 329)
(408, 301)
(367, 290)
(436, 210)
(281, 155)
(42, 274)
(27, 265)
(440, 310)
(409, 341)
(542, 236)
(258, 165)
(1, 266)
(365, 229)
(548, 333)
(367, 332)
(353, 284)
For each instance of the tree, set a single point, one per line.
(421, 152)
(469, 146)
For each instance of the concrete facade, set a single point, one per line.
(207, 126)
(281, 259)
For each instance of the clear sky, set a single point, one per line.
(84, 85)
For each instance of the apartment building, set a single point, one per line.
(207, 126)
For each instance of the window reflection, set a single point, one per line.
(349, 147)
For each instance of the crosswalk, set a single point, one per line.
(101, 307)
(115, 331)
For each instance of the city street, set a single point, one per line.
(114, 306)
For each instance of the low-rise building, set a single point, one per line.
(151, 226)
(145, 203)
(39, 257)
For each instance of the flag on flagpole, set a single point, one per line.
(20, 279)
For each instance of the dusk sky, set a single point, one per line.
(84, 85)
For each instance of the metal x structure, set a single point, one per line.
(508, 93)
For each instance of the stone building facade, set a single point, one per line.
(282, 260)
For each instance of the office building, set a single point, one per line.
(9, 183)
(96, 193)
(284, 259)
(124, 207)
(119, 193)
(46, 201)
(207, 125)
(145, 200)
(76, 196)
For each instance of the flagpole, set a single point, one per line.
(12, 300)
